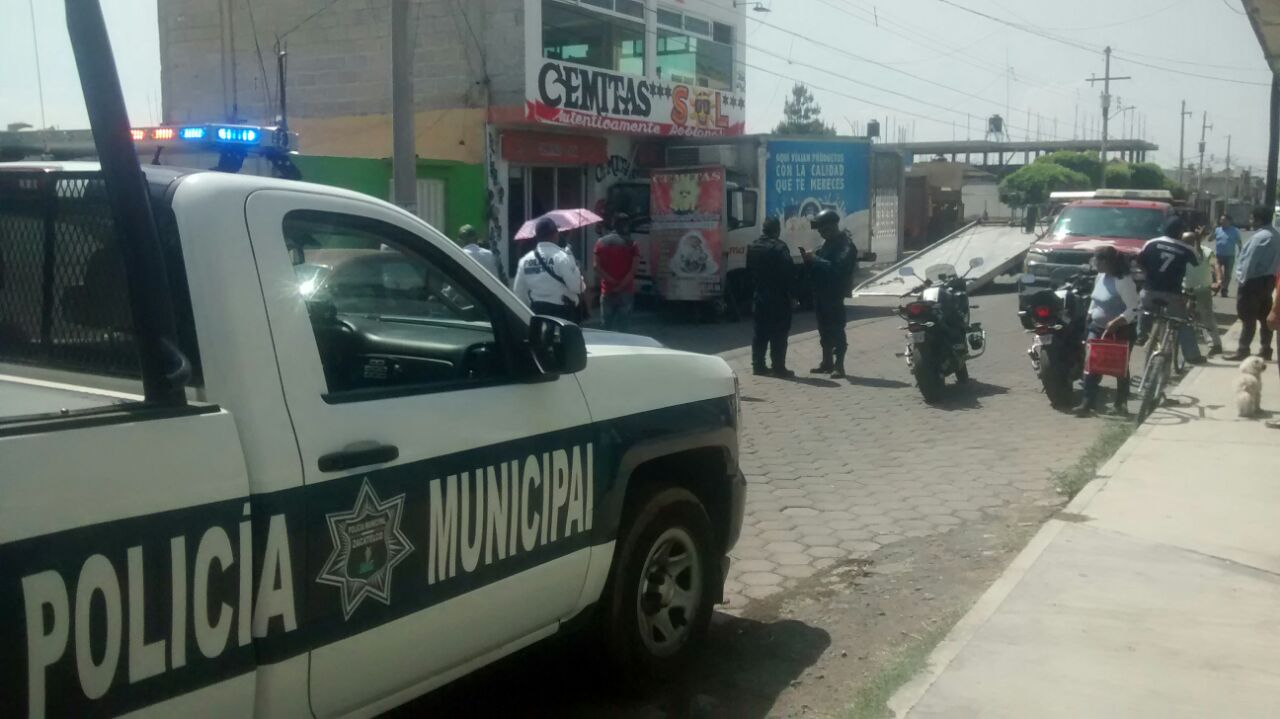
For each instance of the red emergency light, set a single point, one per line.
(138, 135)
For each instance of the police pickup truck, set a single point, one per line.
(378, 471)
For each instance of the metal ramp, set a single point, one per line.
(1001, 248)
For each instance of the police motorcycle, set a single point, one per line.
(940, 337)
(1058, 320)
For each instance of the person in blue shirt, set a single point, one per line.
(1226, 243)
(1112, 312)
(1164, 260)
(1256, 272)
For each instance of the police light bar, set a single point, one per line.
(192, 133)
(237, 134)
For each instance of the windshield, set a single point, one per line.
(1142, 222)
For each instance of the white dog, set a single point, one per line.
(1249, 386)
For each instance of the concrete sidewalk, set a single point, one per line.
(1156, 593)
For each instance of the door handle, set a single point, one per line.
(358, 455)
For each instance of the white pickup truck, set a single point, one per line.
(385, 474)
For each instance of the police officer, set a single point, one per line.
(831, 270)
(772, 272)
(548, 279)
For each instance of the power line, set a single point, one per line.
(262, 65)
(1092, 49)
(306, 19)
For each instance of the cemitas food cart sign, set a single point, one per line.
(561, 93)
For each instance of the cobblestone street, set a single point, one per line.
(837, 470)
(872, 519)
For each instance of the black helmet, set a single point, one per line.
(826, 218)
(772, 227)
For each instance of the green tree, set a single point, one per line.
(802, 115)
(1031, 184)
(1086, 163)
(1148, 176)
(1119, 176)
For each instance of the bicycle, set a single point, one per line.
(1162, 356)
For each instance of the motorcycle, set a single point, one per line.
(1058, 319)
(940, 338)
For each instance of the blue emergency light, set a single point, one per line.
(237, 135)
(192, 133)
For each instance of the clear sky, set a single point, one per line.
(920, 64)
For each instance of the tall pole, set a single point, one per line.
(1106, 110)
(1228, 153)
(1182, 142)
(35, 44)
(1273, 147)
(1204, 126)
(403, 161)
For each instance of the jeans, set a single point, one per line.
(615, 310)
(1205, 316)
(1177, 309)
(1226, 263)
(1253, 304)
(1092, 382)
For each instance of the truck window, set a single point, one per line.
(385, 316)
(64, 304)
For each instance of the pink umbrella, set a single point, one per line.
(564, 219)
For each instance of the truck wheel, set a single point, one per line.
(662, 589)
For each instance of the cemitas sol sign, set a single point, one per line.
(561, 93)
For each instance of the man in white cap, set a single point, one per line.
(548, 279)
(470, 241)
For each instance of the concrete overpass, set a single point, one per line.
(994, 155)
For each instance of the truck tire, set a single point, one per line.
(662, 588)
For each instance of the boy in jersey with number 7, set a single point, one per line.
(1164, 261)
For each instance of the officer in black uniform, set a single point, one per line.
(772, 272)
(831, 270)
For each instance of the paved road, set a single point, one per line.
(839, 469)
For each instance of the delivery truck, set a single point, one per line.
(790, 178)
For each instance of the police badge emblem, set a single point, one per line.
(367, 546)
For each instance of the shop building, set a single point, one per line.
(521, 106)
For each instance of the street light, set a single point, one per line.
(756, 6)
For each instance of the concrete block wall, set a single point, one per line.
(339, 61)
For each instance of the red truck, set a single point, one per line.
(1124, 219)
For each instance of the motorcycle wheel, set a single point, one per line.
(1056, 382)
(928, 376)
(962, 373)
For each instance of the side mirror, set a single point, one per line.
(975, 263)
(907, 271)
(558, 346)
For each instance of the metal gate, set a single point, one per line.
(887, 177)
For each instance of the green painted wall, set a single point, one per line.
(464, 183)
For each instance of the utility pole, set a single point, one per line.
(1106, 109)
(1228, 153)
(404, 162)
(1182, 141)
(1204, 126)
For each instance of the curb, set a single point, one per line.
(910, 693)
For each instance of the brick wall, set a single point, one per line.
(338, 61)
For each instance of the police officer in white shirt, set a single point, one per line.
(548, 279)
(470, 241)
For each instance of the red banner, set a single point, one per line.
(687, 208)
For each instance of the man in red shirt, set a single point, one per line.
(616, 259)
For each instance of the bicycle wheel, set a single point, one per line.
(1179, 359)
(1153, 383)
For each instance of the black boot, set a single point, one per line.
(826, 365)
(837, 369)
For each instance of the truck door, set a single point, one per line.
(441, 479)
